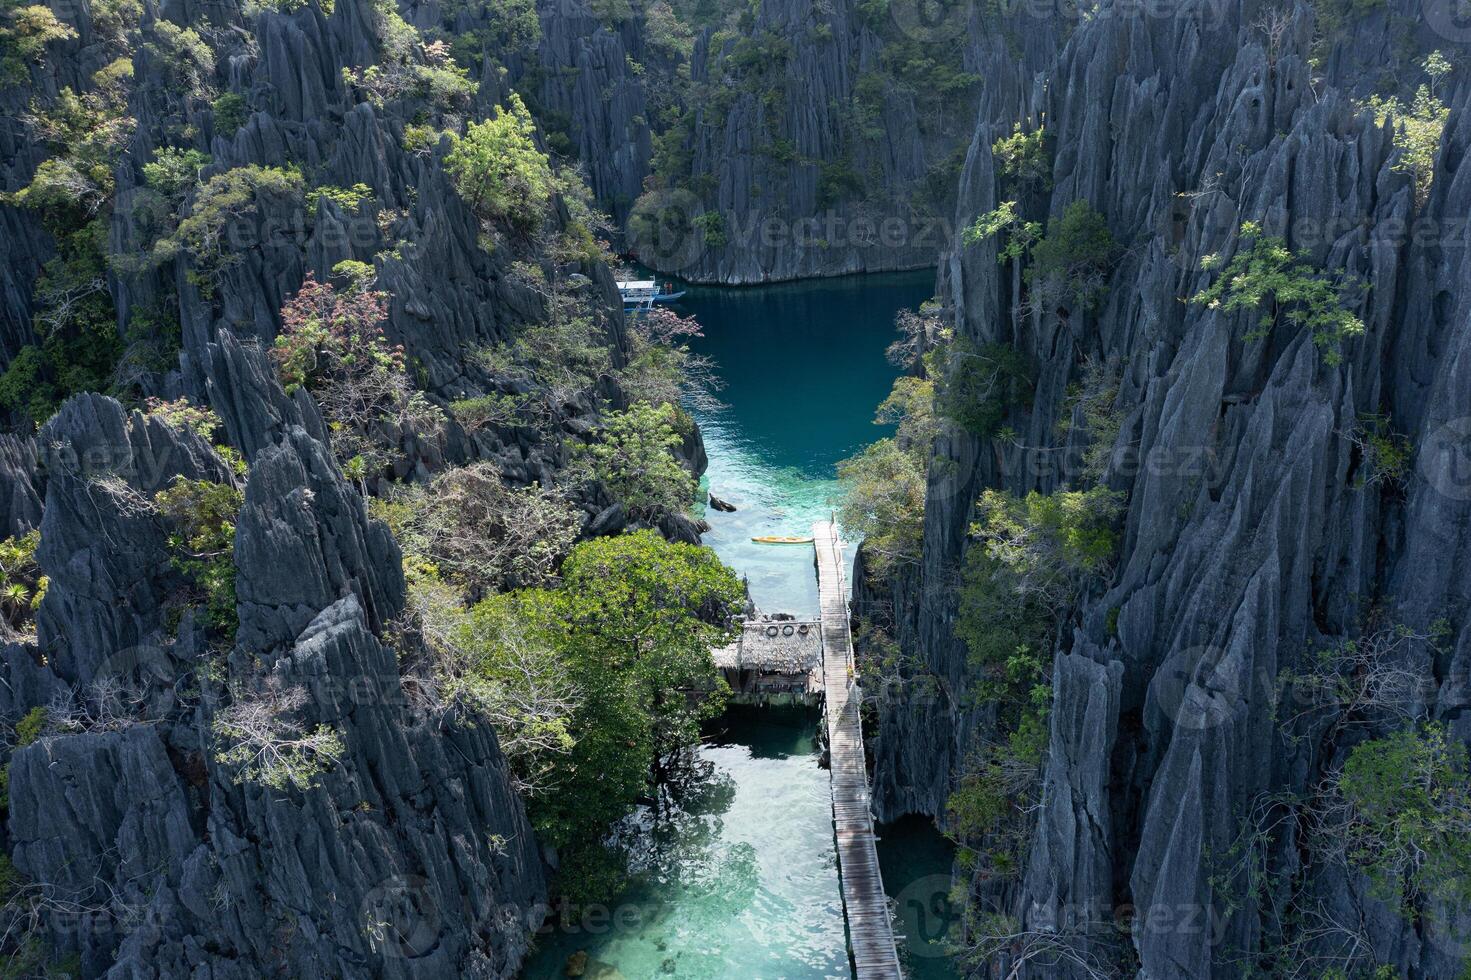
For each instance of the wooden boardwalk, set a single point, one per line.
(865, 906)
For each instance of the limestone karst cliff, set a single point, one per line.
(1257, 532)
(210, 566)
(306, 143)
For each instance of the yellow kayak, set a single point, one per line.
(781, 540)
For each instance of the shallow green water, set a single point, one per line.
(743, 883)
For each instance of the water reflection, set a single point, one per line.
(737, 878)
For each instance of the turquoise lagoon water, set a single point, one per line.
(804, 370)
(742, 883)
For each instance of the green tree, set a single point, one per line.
(884, 500)
(1030, 558)
(22, 585)
(981, 383)
(220, 201)
(633, 626)
(1023, 158)
(25, 31)
(1418, 126)
(1264, 275)
(1408, 815)
(498, 169)
(632, 456)
(201, 517)
(1072, 260)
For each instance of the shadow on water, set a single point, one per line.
(915, 860)
(738, 879)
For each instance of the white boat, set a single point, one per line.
(644, 293)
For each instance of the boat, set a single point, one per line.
(644, 293)
(780, 539)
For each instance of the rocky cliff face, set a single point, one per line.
(145, 855)
(799, 139)
(411, 854)
(813, 153)
(1252, 536)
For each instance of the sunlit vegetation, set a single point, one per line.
(593, 681)
(1418, 125)
(201, 519)
(498, 169)
(633, 459)
(25, 33)
(1029, 561)
(332, 344)
(1023, 159)
(262, 738)
(1089, 412)
(77, 346)
(884, 484)
(1067, 263)
(22, 585)
(1265, 277)
(408, 70)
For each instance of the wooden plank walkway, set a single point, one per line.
(865, 906)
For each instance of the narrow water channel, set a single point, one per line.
(742, 883)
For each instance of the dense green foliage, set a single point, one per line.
(498, 169)
(981, 383)
(22, 586)
(625, 643)
(884, 500)
(633, 458)
(202, 235)
(1030, 560)
(1265, 276)
(201, 517)
(25, 32)
(1068, 262)
(1409, 822)
(1071, 261)
(884, 484)
(78, 345)
(31, 727)
(1022, 159)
